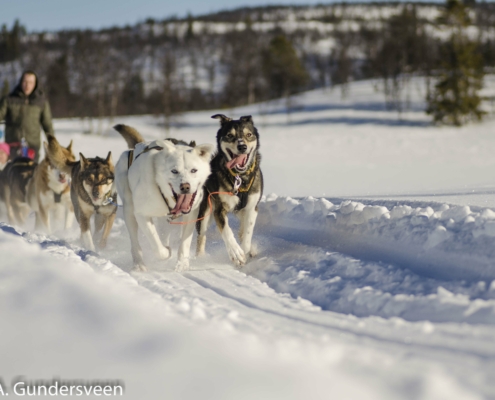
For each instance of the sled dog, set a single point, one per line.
(235, 169)
(158, 179)
(50, 188)
(15, 179)
(92, 191)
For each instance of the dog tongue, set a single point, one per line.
(238, 160)
(182, 205)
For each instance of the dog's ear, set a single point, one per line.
(69, 147)
(247, 118)
(192, 143)
(84, 161)
(223, 119)
(205, 151)
(109, 160)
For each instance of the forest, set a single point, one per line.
(231, 58)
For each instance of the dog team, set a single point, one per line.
(162, 178)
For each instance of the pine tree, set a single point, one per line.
(10, 42)
(190, 27)
(58, 89)
(456, 98)
(283, 70)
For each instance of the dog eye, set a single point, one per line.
(174, 171)
(194, 170)
(249, 135)
(230, 136)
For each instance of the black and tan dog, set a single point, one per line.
(235, 169)
(92, 191)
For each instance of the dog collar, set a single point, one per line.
(238, 183)
(108, 199)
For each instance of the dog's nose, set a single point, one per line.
(185, 187)
(62, 176)
(95, 192)
(242, 148)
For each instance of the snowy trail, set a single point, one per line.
(231, 301)
(330, 309)
(384, 291)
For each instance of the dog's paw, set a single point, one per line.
(164, 253)
(250, 252)
(139, 268)
(182, 265)
(236, 254)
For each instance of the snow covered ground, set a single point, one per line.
(376, 279)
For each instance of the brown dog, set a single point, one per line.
(49, 189)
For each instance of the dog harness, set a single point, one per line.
(57, 197)
(130, 157)
(239, 189)
(130, 160)
(237, 177)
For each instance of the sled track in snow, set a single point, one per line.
(218, 295)
(385, 258)
(226, 295)
(321, 319)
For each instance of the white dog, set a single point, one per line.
(158, 179)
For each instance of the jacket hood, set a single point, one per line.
(18, 88)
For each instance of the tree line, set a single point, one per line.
(175, 65)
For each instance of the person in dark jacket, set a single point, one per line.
(26, 110)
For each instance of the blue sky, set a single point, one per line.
(55, 14)
(39, 15)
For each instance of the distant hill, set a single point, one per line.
(166, 66)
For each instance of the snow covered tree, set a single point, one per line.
(455, 99)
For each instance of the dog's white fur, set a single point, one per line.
(141, 187)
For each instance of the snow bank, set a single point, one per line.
(463, 238)
(432, 263)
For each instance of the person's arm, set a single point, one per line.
(46, 119)
(3, 108)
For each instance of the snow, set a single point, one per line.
(357, 147)
(375, 276)
(433, 251)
